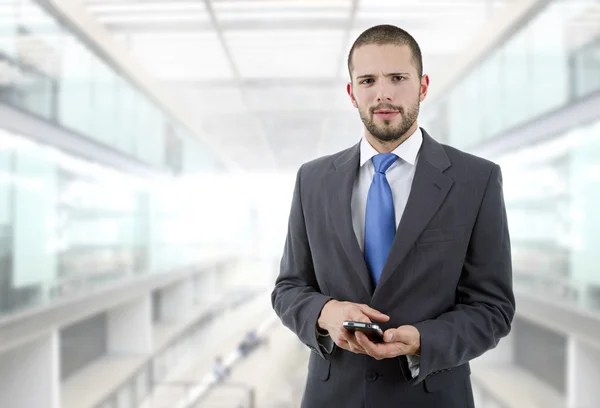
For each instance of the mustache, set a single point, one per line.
(386, 106)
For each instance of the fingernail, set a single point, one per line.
(389, 336)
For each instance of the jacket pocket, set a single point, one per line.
(318, 367)
(447, 379)
(441, 235)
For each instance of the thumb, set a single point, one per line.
(399, 335)
(373, 314)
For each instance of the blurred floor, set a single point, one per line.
(222, 337)
(276, 371)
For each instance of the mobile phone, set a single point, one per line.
(372, 330)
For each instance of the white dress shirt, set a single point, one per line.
(400, 176)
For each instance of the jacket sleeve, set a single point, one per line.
(296, 298)
(485, 303)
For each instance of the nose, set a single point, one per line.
(383, 93)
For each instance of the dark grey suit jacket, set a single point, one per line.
(448, 273)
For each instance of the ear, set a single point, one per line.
(424, 87)
(351, 95)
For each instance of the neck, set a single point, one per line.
(388, 147)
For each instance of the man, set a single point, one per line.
(400, 230)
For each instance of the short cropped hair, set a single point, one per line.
(388, 34)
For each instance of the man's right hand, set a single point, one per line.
(335, 313)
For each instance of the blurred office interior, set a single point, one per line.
(148, 150)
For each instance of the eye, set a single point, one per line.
(398, 78)
(364, 81)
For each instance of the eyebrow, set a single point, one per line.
(385, 75)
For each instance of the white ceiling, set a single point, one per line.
(267, 77)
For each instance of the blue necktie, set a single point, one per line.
(380, 219)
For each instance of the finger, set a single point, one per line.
(357, 315)
(356, 347)
(352, 343)
(402, 335)
(369, 347)
(343, 344)
(364, 342)
(373, 314)
(381, 350)
(348, 342)
(347, 336)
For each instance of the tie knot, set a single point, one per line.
(383, 161)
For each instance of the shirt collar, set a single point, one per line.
(407, 151)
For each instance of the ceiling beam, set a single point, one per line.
(101, 9)
(341, 62)
(347, 32)
(254, 24)
(238, 79)
(261, 83)
(218, 29)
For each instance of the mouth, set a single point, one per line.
(386, 113)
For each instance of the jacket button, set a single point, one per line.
(371, 376)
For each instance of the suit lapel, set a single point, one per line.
(339, 185)
(429, 189)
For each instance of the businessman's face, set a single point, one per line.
(387, 90)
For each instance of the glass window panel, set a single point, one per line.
(154, 149)
(38, 54)
(35, 196)
(5, 177)
(8, 28)
(75, 90)
(121, 117)
(67, 224)
(553, 58)
(49, 71)
(144, 136)
(10, 77)
(491, 74)
(128, 119)
(158, 151)
(40, 39)
(103, 106)
(98, 233)
(473, 98)
(6, 227)
(584, 180)
(456, 117)
(552, 194)
(549, 86)
(516, 79)
(587, 69)
(36, 93)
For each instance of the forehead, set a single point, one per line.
(373, 58)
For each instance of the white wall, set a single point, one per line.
(29, 375)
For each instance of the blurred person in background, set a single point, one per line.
(250, 342)
(220, 371)
(401, 230)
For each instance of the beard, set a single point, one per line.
(386, 132)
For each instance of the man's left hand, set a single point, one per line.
(405, 340)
